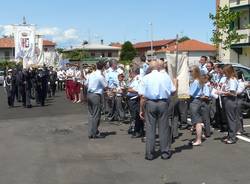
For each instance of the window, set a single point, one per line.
(103, 54)
(92, 54)
(7, 55)
(110, 54)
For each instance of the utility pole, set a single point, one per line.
(151, 34)
(177, 53)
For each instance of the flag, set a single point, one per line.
(25, 44)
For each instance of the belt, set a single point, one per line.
(158, 100)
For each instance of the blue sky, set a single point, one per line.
(70, 22)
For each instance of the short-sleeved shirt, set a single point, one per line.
(156, 86)
(195, 89)
(96, 82)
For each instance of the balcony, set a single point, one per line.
(246, 40)
(238, 4)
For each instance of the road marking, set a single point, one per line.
(243, 138)
(246, 126)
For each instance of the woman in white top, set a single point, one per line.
(229, 99)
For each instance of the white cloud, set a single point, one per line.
(54, 33)
(50, 31)
(6, 30)
(59, 35)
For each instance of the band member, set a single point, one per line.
(156, 89)
(113, 82)
(203, 63)
(240, 97)
(9, 85)
(137, 125)
(77, 85)
(52, 82)
(41, 86)
(70, 83)
(229, 97)
(119, 98)
(61, 75)
(198, 95)
(95, 83)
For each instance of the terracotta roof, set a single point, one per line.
(48, 43)
(190, 45)
(6, 43)
(9, 43)
(157, 43)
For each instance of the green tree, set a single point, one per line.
(128, 52)
(75, 55)
(184, 38)
(224, 32)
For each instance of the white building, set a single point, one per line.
(98, 50)
(239, 52)
(192, 48)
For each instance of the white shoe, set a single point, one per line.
(79, 101)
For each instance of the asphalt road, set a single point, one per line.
(49, 145)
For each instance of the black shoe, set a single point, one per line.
(136, 136)
(166, 156)
(99, 136)
(150, 158)
(29, 106)
(143, 139)
(91, 137)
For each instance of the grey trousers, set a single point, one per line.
(157, 111)
(230, 105)
(94, 112)
(120, 112)
(205, 110)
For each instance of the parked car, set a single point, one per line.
(1, 77)
(246, 73)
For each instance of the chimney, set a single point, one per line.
(102, 41)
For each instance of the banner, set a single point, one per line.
(40, 52)
(25, 44)
(179, 71)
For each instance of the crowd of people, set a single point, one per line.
(144, 95)
(31, 84)
(147, 91)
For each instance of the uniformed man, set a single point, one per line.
(9, 85)
(96, 84)
(52, 82)
(137, 125)
(113, 82)
(27, 85)
(41, 86)
(156, 89)
(203, 63)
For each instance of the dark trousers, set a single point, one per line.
(119, 106)
(134, 108)
(239, 115)
(11, 96)
(230, 105)
(94, 113)
(157, 111)
(205, 110)
(60, 85)
(220, 118)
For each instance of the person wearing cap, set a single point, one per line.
(9, 85)
(156, 89)
(52, 82)
(96, 84)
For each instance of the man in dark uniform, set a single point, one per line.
(52, 82)
(10, 84)
(41, 86)
(27, 87)
(21, 86)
